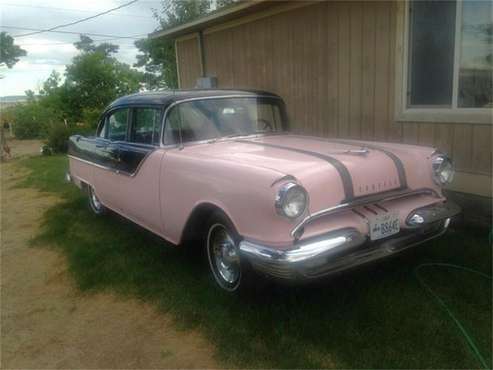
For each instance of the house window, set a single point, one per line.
(476, 55)
(450, 61)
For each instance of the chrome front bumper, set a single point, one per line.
(345, 248)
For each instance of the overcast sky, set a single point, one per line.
(52, 51)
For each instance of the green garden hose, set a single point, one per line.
(459, 325)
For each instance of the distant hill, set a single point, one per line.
(10, 99)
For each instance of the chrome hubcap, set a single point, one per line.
(223, 255)
(95, 200)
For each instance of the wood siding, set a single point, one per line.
(188, 61)
(334, 64)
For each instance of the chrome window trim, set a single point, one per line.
(359, 202)
(130, 143)
(175, 103)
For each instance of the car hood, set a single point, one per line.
(333, 170)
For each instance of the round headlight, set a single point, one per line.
(443, 169)
(291, 200)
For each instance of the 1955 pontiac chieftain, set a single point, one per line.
(221, 166)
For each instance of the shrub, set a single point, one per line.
(59, 133)
(90, 116)
(31, 120)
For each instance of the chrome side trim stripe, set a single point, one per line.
(89, 162)
(133, 174)
(346, 179)
(392, 195)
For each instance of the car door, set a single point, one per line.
(139, 167)
(107, 152)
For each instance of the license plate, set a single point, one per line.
(385, 225)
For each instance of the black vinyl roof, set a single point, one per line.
(167, 97)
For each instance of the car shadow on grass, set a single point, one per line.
(374, 317)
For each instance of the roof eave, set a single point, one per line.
(199, 24)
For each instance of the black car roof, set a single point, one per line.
(167, 97)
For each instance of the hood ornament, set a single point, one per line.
(363, 151)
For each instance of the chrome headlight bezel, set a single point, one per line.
(284, 194)
(443, 169)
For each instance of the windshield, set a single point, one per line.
(222, 117)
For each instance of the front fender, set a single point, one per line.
(245, 193)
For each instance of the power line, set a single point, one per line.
(74, 10)
(78, 21)
(74, 33)
(70, 43)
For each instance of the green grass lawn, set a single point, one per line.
(376, 317)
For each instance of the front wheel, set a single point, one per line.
(223, 254)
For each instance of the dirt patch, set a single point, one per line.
(47, 323)
(22, 148)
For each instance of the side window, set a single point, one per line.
(267, 117)
(145, 126)
(172, 127)
(103, 127)
(194, 123)
(117, 124)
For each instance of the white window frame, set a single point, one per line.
(432, 114)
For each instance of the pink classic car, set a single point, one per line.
(220, 167)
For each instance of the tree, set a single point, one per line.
(95, 78)
(158, 56)
(9, 52)
(174, 13)
(86, 44)
(52, 95)
(51, 84)
(158, 59)
(31, 95)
